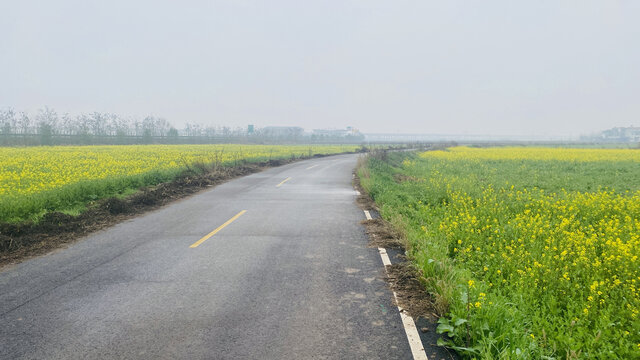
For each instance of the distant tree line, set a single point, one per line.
(47, 127)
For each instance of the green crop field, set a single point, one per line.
(529, 253)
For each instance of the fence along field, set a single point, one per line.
(528, 252)
(36, 180)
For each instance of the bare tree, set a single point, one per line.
(210, 131)
(148, 126)
(84, 128)
(98, 123)
(7, 121)
(119, 126)
(47, 120)
(193, 129)
(162, 127)
(24, 122)
(48, 117)
(67, 124)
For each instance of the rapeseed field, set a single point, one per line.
(35, 180)
(529, 253)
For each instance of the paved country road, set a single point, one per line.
(289, 278)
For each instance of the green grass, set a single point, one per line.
(462, 218)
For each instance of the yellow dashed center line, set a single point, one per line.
(197, 243)
(283, 181)
(311, 167)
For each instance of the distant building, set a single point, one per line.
(620, 134)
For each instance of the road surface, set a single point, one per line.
(287, 275)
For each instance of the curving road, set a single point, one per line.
(289, 278)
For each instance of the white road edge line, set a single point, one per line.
(417, 349)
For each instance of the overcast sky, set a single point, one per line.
(450, 67)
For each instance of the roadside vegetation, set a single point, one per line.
(39, 180)
(528, 253)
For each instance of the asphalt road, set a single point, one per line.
(291, 278)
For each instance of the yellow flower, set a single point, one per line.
(29, 171)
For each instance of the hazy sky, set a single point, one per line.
(462, 67)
